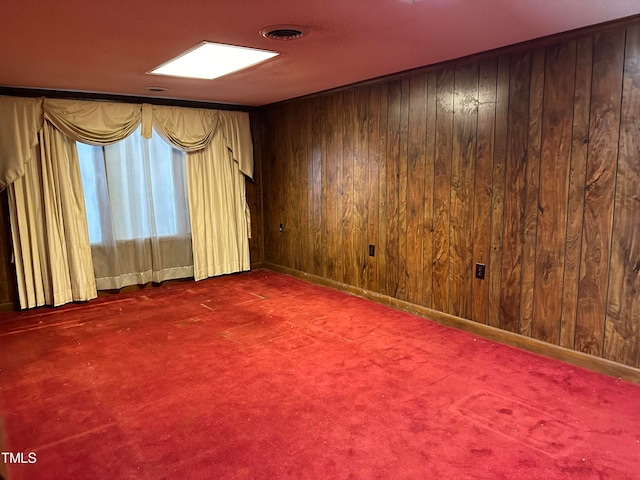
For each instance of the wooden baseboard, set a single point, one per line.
(8, 307)
(256, 265)
(573, 357)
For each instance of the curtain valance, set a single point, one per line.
(95, 123)
(104, 123)
(192, 129)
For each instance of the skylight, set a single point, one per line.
(212, 60)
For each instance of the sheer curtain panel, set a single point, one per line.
(135, 193)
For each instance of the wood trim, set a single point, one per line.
(73, 95)
(8, 307)
(572, 357)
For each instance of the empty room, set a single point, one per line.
(383, 239)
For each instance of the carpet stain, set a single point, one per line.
(536, 426)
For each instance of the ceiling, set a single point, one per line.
(107, 46)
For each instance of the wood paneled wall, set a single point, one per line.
(528, 162)
(8, 286)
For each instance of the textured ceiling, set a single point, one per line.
(107, 47)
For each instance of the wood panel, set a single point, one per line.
(622, 339)
(483, 179)
(305, 171)
(465, 124)
(315, 190)
(554, 173)
(442, 188)
(360, 195)
(497, 189)
(604, 129)
(348, 214)
(514, 190)
(382, 189)
(8, 286)
(416, 186)
(392, 251)
(320, 136)
(575, 211)
(402, 191)
(333, 199)
(532, 182)
(511, 161)
(429, 186)
(372, 187)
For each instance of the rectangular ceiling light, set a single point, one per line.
(212, 60)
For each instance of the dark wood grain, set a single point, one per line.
(333, 204)
(373, 185)
(320, 141)
(442, 188)
(554, 185)
(498, 190)
(392, 187)
(575, 207)
(532, 182)
(429, 186)
(483, 179)
(403, 261)
(604, 128)
(8, 286)
(416, 186)
(360, 195)
(302, 179)
(382, 192)
(315, 191)
(514, 190)
(622, 328)
(348, 214)
(465, 123)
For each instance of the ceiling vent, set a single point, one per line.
(283, 32)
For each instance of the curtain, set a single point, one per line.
(20, 121)
(49, 227)
(217, 205)
(135, 192)
(219, 155)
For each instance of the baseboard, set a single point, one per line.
(580, 359)
(8, 307)
(256, 265)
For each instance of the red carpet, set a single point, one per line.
(263, 376)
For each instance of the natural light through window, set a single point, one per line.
(213, 60)
(134, 189)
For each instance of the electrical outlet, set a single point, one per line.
(372, 250)
(480, 268)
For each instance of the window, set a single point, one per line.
(134, 189)
(137, 211)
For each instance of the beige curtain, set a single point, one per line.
(219, 155)
(217, 205)
(20, 121)
(48, 221)
(49, 227)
